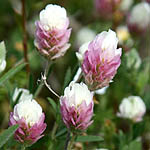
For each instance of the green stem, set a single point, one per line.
(70, 145)
(54, 131)
(25, 36)
(23, 147)
(41, 84)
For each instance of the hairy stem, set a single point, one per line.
(25, 35)
(38, 90)
(70, 145)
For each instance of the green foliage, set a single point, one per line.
(89, 138)
(11, 72)
(4, 137)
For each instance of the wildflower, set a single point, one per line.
(101, 60)
(30, 118)
(77, 106)
(132, 108)
(52, 33)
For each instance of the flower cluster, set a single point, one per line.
(101, 60)
(132, 108)
(52, 33)
(77, 106)
(30, 118)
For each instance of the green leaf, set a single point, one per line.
(11, 72)
(31, 83)
(89, 138)
(52, 102)
(2, 51)
(61, 132)
(67, 78)
(4, 137)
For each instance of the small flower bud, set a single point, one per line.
(52, 33)
(28, 115)
(101, 60)
(77, 106)
(132, 108)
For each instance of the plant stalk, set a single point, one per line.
(25, 36)
(70, 145)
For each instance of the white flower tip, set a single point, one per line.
(29, 110)
(76, 93)
(53, 17)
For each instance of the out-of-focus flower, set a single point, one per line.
(133, 59)
(125, 5)
(81, 52)
(122, 34)
(2, 56)
(28, 115)
(139, 18)
(84, 35)
(25, 95)
(77, 106)
(105, 8)
(148, 1)
(52, 33)
(132, 108)
(101, 60)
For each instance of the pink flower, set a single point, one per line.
(28, 115)
(101, 60)
(52, 33)
(77, 106)
(106, 7)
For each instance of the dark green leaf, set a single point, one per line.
(4, 137)
(61, 132)
(52, 102)
(89, 138)
(67, 78)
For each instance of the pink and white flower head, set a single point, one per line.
(139, 18)
(77, 106)
(30, 118)
(52, 33)
(132, 108)
(106, 7)
(101, 60)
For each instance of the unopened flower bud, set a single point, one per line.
(30, 118)
(52, 33)
(132, 108)
(77, 106)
